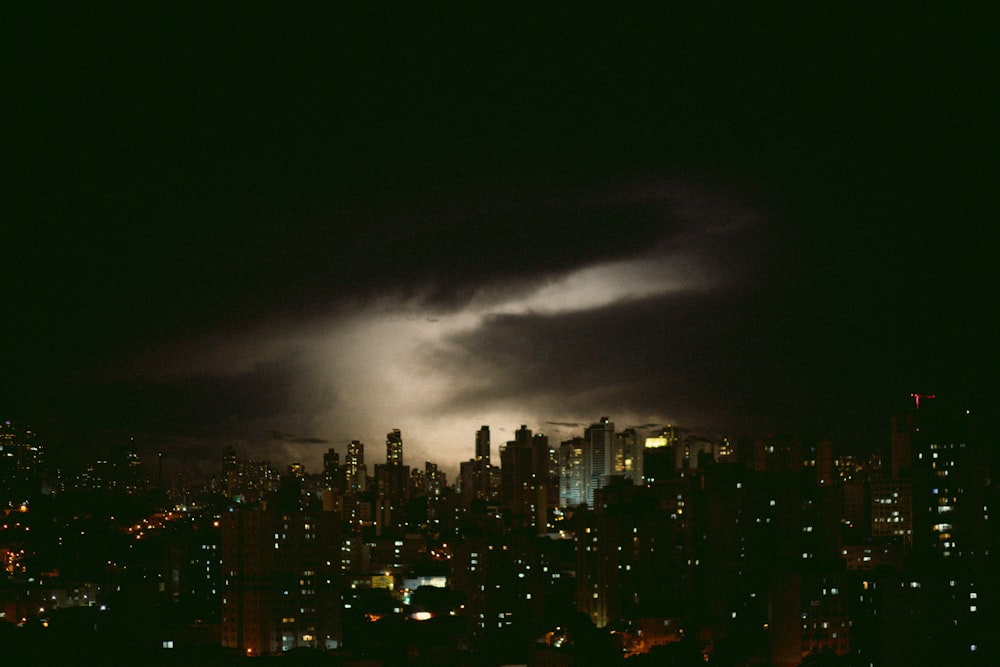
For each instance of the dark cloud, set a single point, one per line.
(669, 358)
(716, 364)
(298, 440)
(648, 427)
(191, 406)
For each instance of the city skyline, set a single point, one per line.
(228, 233)
(163, 466)
(777, 552)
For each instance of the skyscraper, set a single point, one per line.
(229, 459)
(477, 473)
(599, 456)
(658, 456)
(483, 444)
(515, 471)
(355, 472)
(434, 479)
(571, 472)
(230, 471)
(331, 469)
(545, 476)
(392, 477)
(629, 455)
(394, 448)
(281, 588)
(951, 482)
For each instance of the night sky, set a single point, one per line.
(284, 230)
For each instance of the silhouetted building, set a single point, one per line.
(545, 478)
(892, 511)
(281, 589)
(808, 614)
(478, 478)
(599, 457)
(355, 471)
(629, 455)
(951, 478)
(516, 479)
(483, 444)
(635, 551)
(394, 448)
(332, 475)
(659, 458)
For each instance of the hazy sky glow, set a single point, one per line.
(434, 372)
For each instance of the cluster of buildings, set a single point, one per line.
(22, 458)
(25, 468)
(615, 544)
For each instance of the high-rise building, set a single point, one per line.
(392, 478)
(529, 478)
(394, 448)
(22, 459)
(777, 454)
(480, 480)
(281, 588)
(571, 472)
(229, 462)
(467, 479)
(516, 482)
(600, 456)
(808, 615)
(434, 479)
(230, 471)
(824, 462)
(545, 477)
(951, 482)
(901, 444)
(634, 551)
(629, 455)
(659, 460)
(126, 469)
(331, 469)
(892, 511)
(355, 472)
(8, 440)
(417, 483)
(483, 444)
